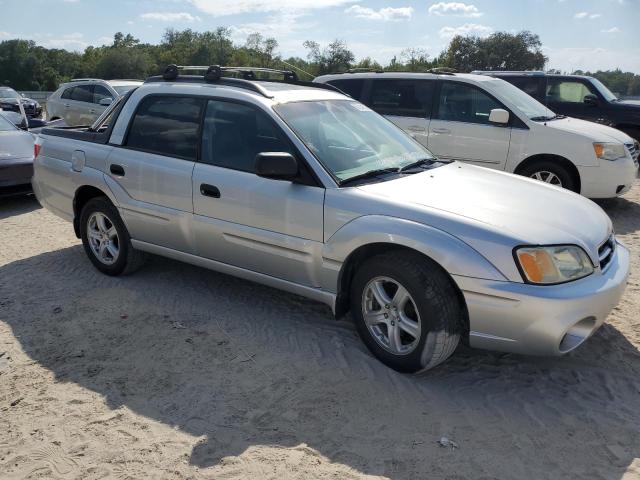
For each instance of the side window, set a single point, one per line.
(567, 91)
(404, 98)
(529, 85)
(234, 134)
(83, 93)
(67, 93)
(464, 103)
(99, 92)
(167, 125)
(352, 87)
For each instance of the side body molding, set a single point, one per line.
(451, 253)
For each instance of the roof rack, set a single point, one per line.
(214, 74)
(365, 70)
(84, 80)
(532, 73)
(435, 71)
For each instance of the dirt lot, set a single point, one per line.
(179, 372)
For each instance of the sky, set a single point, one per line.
(576, 34)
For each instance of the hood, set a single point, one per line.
(633, 103)
(593, 131)
(526, 211)
(16, 144)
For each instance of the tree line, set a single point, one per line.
(27, 66)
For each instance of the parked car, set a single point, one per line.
(304, 189)
(489, 122)
(578, 96)
(82, 101)
(16, 158)
(10, 99)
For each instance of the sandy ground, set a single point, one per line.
(179, 372)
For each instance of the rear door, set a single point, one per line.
(460, 127)
(154, 167)
(406, 102)
(268, 226)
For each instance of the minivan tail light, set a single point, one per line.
(36, 150)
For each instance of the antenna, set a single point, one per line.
(299, 69)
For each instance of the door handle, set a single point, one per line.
(415, 128)
(441, 130)
(117, 170)
(66, 105)
(209, 191)
(91, 110)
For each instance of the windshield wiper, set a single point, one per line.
(369, 174)
(418, 163)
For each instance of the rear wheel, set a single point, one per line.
(407, 311)
(551, 173)
(106, 240)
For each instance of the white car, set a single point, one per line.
(489, 122)
(81, 101)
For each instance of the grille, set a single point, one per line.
(634, 151)
(606, 251)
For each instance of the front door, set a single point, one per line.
(267, 226)
(154, 166)
(460, 127)
(567, 97)
(406, 102)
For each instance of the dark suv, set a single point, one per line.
(579, 97)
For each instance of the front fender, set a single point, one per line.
(455, 256)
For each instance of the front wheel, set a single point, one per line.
(406, 311)
(106, 240)
(551, 173)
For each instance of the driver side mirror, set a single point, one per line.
(590, 100)
(499, 116)
(106, 101)
(276, 165)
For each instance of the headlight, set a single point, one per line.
(609, 151)
(549, 265)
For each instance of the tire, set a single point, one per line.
(550, 172)
(433, 305)
(121, 258)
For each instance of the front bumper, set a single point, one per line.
(16, 172)
(542, 320)
(609, 179)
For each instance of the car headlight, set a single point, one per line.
(609, 151)
(556, 264)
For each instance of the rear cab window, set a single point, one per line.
(167, 125)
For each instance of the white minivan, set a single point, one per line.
(489, 122)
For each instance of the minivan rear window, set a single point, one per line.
(352, 86)
(403, 98)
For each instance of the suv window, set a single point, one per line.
(404, 98)
(67, 93)
(100, 92)
(167, 125)
(234, 134)
(460, 102)
(352, 87)
(529, 85)
(568, 91)
(83, 93)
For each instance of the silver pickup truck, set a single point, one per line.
(300, 187)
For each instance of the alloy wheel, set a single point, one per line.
(547, 177)
(391, 316)
(103, 238)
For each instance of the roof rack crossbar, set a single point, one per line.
(213, 74)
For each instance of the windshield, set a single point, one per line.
(528, 105)
(604, 91)
(6, 125)
(349, 139)
(8, 93)
(122, 89)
